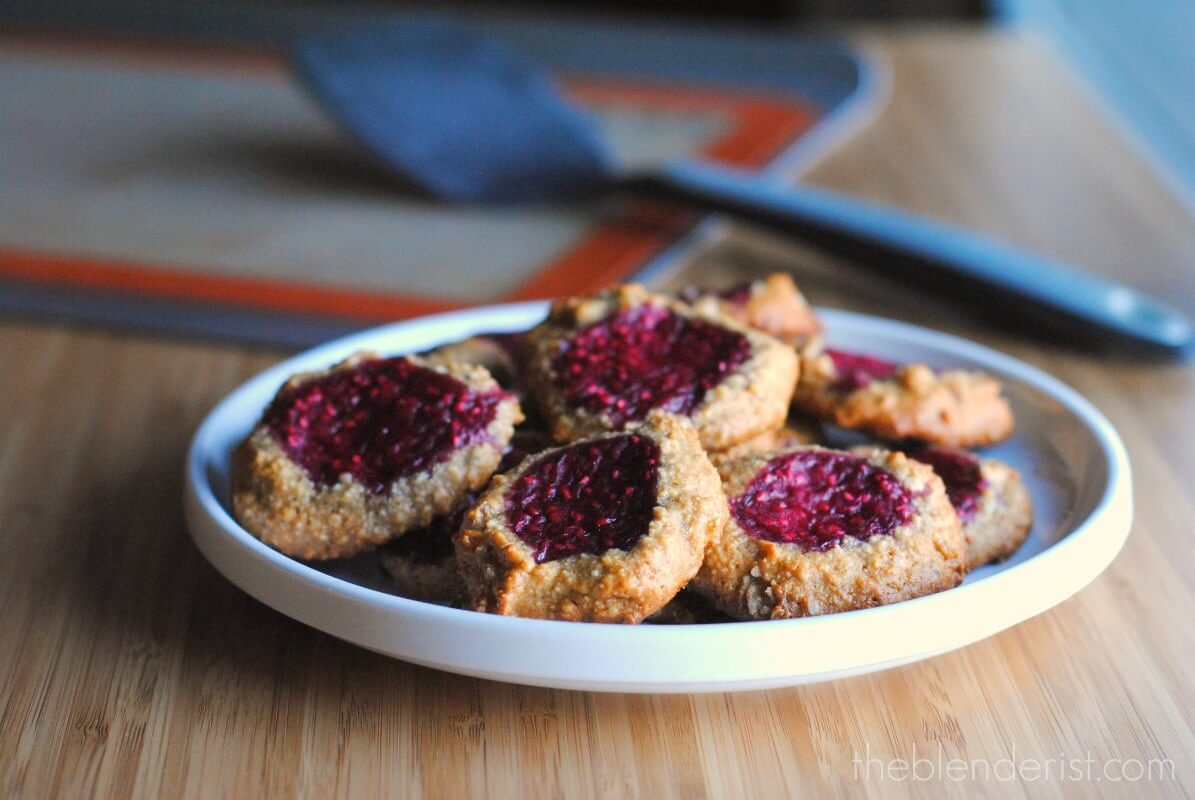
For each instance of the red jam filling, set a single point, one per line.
(587, 498)
(643, 359)
(856, 370)
(379, 421)
(961, 473)
(433, 544)
(813, 498)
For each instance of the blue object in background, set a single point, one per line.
(449, 86)
(1007, 281)
(1140, 59)
(467, 118)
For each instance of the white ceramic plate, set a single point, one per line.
(1072, 459)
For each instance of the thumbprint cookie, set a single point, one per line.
(607, 529)
(603, 363)
(815, 531)
(345, 460)
(422, 563)
(902, 401)
(497, 352)
(796, 432)
(688, 608)
(990, 498)
(773, 305)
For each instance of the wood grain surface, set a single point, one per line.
(128, 666)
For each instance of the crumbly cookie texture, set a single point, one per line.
(1004, 516)
(989, 496)
(503, 576)
(794, 433)
(951, 407)
(751, 578)
(433, 581)
(687, 608)
(490, 352)
(501, 355)
(749, 400)
(422, 563)
(772, 304)
(276, 500)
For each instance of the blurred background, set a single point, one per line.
(162, 169)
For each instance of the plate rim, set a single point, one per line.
(1115, 495)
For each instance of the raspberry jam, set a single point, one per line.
(813, 498)
(379, 421)
(856, 370)
(586, 498)
(961, 473)
(646, 358)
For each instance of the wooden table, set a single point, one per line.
(128, 665)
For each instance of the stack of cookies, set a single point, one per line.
(641, 457)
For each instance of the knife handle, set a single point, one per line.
(986, 274)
